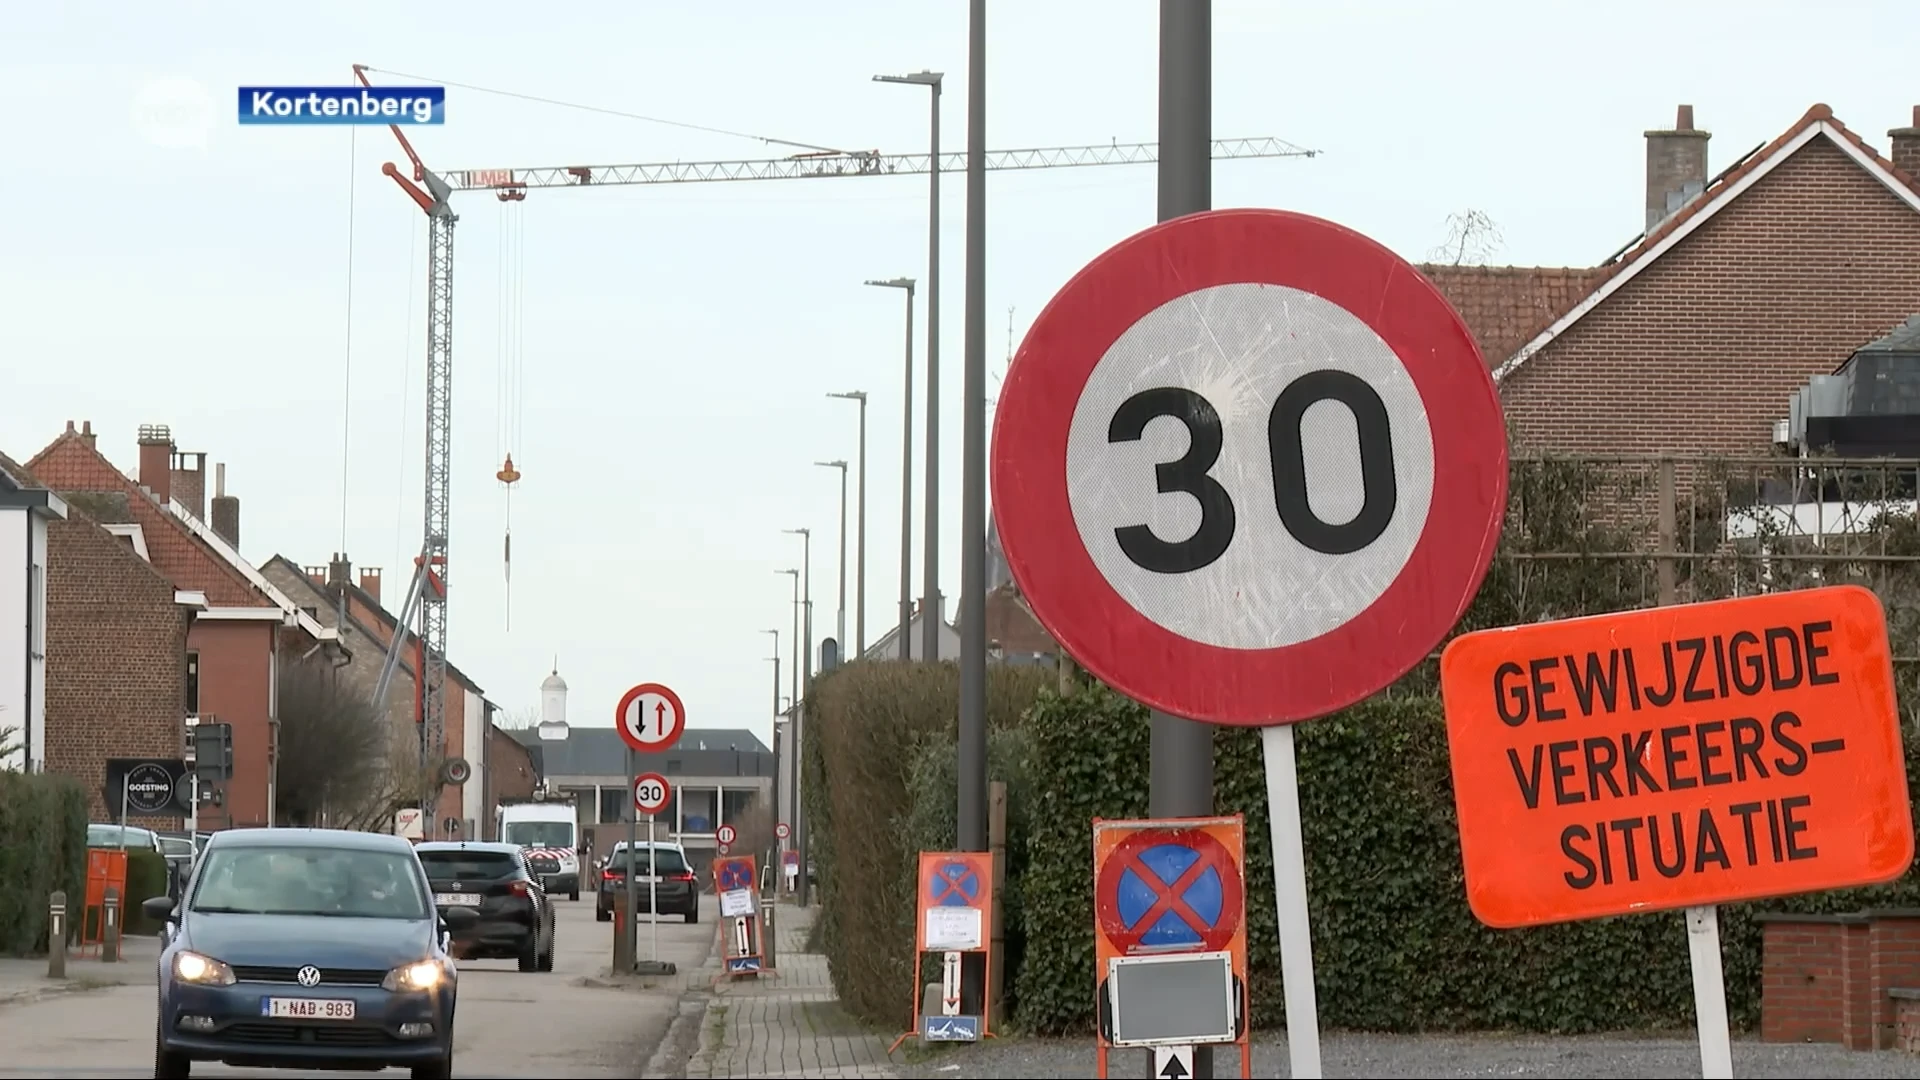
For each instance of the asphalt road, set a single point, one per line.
(572, 1022)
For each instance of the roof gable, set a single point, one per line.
(310, 589)
(1818, 123)
(371, 618)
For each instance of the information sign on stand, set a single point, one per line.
(1684, 756)
(1249, 467)
(733, 881)
(953, 916)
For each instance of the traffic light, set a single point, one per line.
(212, 751)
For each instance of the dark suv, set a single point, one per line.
(494, 882)
(679, 893)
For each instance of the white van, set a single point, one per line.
(550, 834)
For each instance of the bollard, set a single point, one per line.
(57, 935)
(110, 926)
(767, 957)
(622, 935)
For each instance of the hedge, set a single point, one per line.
(1395, 946)
(867, 726)
(147, 873)
(43, 847)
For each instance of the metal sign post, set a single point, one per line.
(651, 794)
(653, 893)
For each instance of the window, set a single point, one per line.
(613, 804)
(671, 860)
(735, 804)
(193, 684)
(36, 605)
(468, 865)
(546, 834)
(355, 884)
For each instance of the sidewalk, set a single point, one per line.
(784, 1025)
(24, 979)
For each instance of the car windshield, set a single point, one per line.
(341, 882)
(670, 861)
(474, 865)
(109, 836)
(546, 834)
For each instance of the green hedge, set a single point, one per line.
(43, 848)
(146, 877)
(1395, 946)
(868, 725)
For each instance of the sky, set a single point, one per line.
(657, 358)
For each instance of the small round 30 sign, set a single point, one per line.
(1249, 467)
(651, 792)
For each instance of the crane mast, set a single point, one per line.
(433, 192)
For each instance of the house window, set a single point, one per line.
(193, 684)
(36, 613)
(614, 802)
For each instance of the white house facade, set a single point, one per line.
(24, 513)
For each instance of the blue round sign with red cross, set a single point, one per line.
(954, 884)
(734, 874)
(1169, 890)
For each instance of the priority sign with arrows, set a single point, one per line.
(650, 718)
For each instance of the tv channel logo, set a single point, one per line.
(406, 106)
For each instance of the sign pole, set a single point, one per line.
(1709, 992)
(1290, 902)
(1180, 765)
(630, 948)
(125, 787)
(653, 892)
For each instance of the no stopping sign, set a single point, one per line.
(1249, 467)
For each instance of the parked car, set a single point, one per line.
(514, 913)
(661, 867)
(133, 836)
(306, 948)
(180, 851)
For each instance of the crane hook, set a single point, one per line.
(508, 474)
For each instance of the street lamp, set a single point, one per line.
(860, 533)
(906, 473)
(778, 816)
(796, 631)
(800, 712)
(840, 619)
(930, 573)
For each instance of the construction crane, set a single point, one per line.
(433, 192)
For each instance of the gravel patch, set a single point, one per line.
(1428, 1057)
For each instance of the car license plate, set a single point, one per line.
(646, 879)
(457, 899)
(306, 1008)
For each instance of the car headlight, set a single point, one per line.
(424, 975)
(202, 970)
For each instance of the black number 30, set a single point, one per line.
(1218, 520)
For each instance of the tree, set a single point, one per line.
(334, 748)
(1472, 239)
(10, 745)
(522, 719)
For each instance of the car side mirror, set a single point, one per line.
(158, 908)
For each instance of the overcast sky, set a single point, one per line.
(676, 343)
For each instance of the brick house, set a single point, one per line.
(114, 648)
(1744, 284)
(324, 592)
(510, 773)
(235, 644)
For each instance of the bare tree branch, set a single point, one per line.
(334, 745)
(1472, 240)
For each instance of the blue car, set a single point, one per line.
(306, 949)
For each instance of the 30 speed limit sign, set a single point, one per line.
(651, 793)
(1248, 467)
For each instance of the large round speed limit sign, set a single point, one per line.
(651, 792)
(1249, 467)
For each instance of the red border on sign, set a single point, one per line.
(620, 718)
(1153, 665)
(726, 834)
(665, 785)
(1126, 856)
(740, 869)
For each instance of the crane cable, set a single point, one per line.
(510, 370)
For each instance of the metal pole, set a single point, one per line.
(629, 948)
(795, 695)
(906, 503)
(1181, 766)
(972, 822)
(801, 717)
(930, 571)
(653, 895)
(860, 557)
(840, 618)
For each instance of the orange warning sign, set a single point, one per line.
(1677, 756)
(956, 901)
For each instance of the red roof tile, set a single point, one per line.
(70, 464)
(1505, 306)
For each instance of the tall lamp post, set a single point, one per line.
(800, 707)
(860, 534)
(776, 746)
(840, 617)
(795, 574)
(930, 587)
(906, 473)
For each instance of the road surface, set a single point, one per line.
(571, 1022)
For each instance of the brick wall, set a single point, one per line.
(509, 775)
(1906, 1008)
(116, 660)
(236, 663)
(1013, 626)
(1700, 352)
(1831, 978)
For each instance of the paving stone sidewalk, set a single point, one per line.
(785, 1025)
(24, 979)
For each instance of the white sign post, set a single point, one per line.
(651, 792)
(1252, 469)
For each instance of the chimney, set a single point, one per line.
(190, 482)
(370, 582)
(1906, 147)
(339, 571)
(156, 461)
(1676, 167)
(225, 509)
(86, 433)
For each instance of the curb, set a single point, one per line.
(682, 1040)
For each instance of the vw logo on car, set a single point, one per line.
(308, 976)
